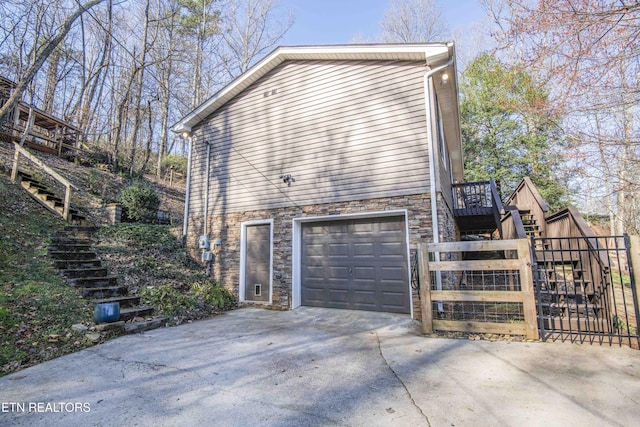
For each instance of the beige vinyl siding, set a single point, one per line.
(343, 130)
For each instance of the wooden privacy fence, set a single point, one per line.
(518, 264)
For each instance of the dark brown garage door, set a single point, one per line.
(358, 264)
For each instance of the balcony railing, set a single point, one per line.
(476, 198)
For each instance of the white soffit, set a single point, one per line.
(430, 53)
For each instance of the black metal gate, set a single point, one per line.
(585, 289)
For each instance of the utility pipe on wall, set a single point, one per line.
(206, 189)
(206, 203)
(187, 193)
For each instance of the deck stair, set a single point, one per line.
(567, 297)
(73, 256)
(43, 195)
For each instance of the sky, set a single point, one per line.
(338, 21)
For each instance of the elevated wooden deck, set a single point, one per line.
(477, 207)
(47, 133)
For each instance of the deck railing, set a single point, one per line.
(478, 198)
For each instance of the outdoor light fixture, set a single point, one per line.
(444, 78)
(185, 134)
(287, 179)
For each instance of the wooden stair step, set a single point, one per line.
(69, 247)
(80, 229)
(104, 292)
(125, 300)
(147, 325)
(50, 197)
(34, 185)
(94, 282)
(70, 264)
(133, 312)
(70, 240)
(90, 272)
(575, 323)
(75, 255)
(556, 257)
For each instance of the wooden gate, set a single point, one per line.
(492, 293)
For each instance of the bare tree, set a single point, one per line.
(200, 20)
(42, 53)
(251, 28)
(587, 52)
(140, 68)
(412, 21)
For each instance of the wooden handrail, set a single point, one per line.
(497, 202)
(62, 180)
(518, 225)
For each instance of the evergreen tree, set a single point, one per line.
(508, 131)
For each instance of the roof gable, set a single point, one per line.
(431, 54)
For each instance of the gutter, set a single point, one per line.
(432, 168)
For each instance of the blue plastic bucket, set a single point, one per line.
(106, 312)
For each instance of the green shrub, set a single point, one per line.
(141, 236)
(218, 297)
(178, 163)
(169, 300)
(140, 202)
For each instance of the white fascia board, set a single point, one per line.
(431, 53)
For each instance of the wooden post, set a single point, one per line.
(425, 288)
(528, 294)
(58, 137)
(67, 202)
(634, 250)
(16, 163)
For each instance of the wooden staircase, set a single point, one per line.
(73, 256)
(568, 298)
(49, 200)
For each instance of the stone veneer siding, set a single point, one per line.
(227, 227)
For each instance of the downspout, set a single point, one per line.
(187, 194)
(206, 190)
(206, 202)
(432, 169)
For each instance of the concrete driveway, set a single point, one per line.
(308, 367)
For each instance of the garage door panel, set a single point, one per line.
(368, 273)
(358, 228)
(364, 249)
(315, 295)
(314, 272)
(393, 301)
(339, 295)
(363, 263)
(337, 249)
(389, 273)
(392, 249)
(339, 272)
(314, 250)
(364, 297)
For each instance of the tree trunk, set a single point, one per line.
(136, 122)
